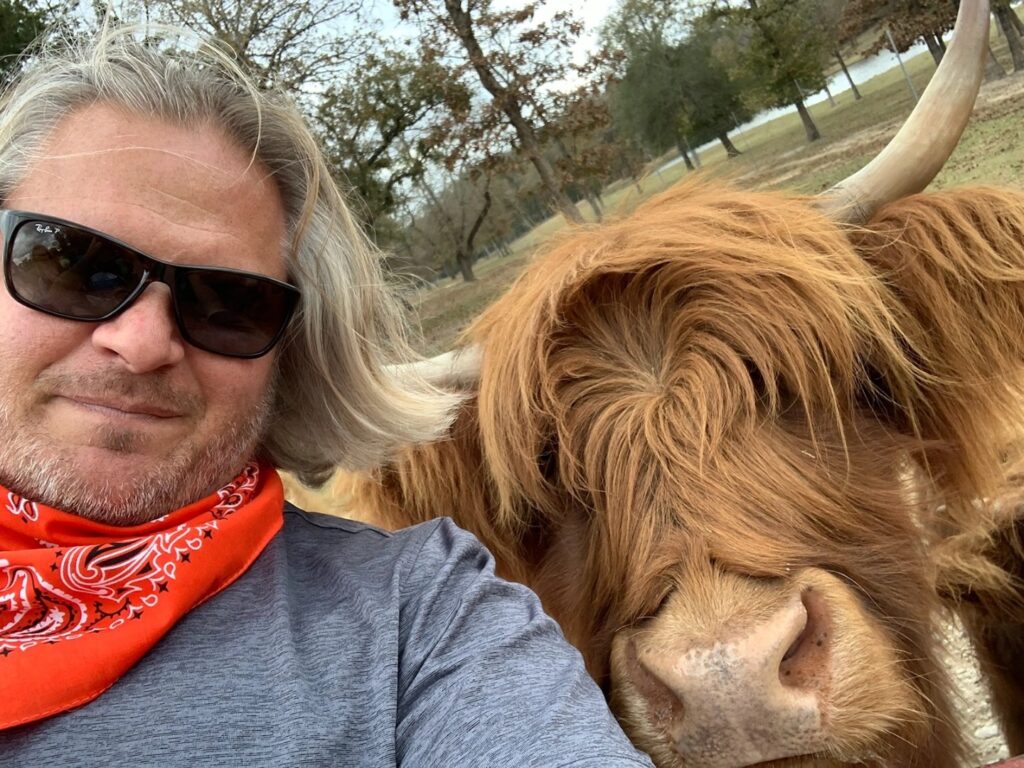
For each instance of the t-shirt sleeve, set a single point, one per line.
(486, 677)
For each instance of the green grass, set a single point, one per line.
(775, 155)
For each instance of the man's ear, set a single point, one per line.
(952, 264)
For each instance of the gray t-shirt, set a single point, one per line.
(344, 645)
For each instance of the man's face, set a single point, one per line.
(124, 421)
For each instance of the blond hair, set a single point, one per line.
(335, 404)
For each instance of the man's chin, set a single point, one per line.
(119, 473)
(117, 487)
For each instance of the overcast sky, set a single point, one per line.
(592, 12)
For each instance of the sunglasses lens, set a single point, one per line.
(230, 313)
(66, 271)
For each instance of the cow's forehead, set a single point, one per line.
(687, 323)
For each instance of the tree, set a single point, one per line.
(380, 126)
(713, 100)
(857, 18)
(671, 80)
(295, 45)
(647, 104)
(908, 21)
(455, 217)
(673, 93)
(911, 20)
(20, 24)
(577, 134)
(1010, 23)
(505, 220)
(927, 20)
(637, 26)
(522, 58)
(777, 50)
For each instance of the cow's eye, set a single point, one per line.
(875, 394)
(765, 389)
(758, 383)
(547, 462)
(652, 608)
(756, 377)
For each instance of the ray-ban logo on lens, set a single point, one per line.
(47, 229)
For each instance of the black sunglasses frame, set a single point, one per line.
(153, 270)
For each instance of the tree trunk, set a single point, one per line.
(581, 183)
(509, 102)
(466, 251)
(933, 48)
(828, 93)
(993, 69)
(447, 223)
(1017, 23)
(730, 148)
(465, 262)
(805, 117)
(1013, 39)
(853, 85)
(685, 155)
(692, 152)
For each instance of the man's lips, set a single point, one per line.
(122, 407)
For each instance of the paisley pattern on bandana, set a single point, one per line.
(23, 508)
(81, 602)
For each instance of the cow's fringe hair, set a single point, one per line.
(731, 375)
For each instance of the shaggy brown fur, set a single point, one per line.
(729, 380)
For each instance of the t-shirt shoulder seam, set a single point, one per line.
(424, 531)
(330, 523)
(429, 531)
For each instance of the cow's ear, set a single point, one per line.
(877, 395)
(951, 266)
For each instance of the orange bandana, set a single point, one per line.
(81, 602)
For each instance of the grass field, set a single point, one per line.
(775, 155)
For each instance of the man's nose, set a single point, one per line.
(145, 336)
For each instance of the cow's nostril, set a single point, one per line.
(795, 646)
(806, 660)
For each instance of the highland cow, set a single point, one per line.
(747, 454)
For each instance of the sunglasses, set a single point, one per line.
(70, 271)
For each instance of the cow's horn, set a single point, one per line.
(458, 368)
(921, 147)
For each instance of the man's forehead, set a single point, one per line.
(154, 184)
(147, 156)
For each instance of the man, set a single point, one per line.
(188, 308)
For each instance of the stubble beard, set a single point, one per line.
(33, 467)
